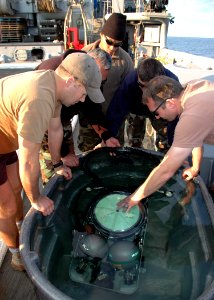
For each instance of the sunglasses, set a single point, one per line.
(140, 84)
(111, 43)
(155, 112)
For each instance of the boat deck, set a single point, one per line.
(15, 285)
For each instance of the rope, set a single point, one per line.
(85, 25)
(66, 25)
(46, 5)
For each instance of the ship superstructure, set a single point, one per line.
(39, 29)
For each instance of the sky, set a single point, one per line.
(193, 18)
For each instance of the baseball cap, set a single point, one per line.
(84, 68)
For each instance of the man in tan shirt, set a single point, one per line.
(167, 99)
(29, 103)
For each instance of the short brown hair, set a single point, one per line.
(149, 68)
(161, 88)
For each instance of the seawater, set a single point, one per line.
(192, 45)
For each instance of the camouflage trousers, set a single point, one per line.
(140, 131)
(88, 138)
(136, 131)
(46, 165)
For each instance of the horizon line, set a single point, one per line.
(197, 37)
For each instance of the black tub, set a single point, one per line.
(86, 249)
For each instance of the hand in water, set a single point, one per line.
(127, 203)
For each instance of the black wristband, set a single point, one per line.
(105, 136)
(60, 163)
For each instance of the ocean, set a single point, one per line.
(192, 45)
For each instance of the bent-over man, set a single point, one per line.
(29, 103)
(167, 99)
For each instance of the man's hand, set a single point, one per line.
(44, 204)
(71, 160)
(189, 173)
(65, 171)
(100, 145)
(127, 203)
(113, 142)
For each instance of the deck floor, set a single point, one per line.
(15, 285)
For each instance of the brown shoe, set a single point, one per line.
(16, 262)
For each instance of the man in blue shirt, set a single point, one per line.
(127, 101)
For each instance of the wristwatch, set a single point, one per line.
(60, 163)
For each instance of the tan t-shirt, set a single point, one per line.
(196, 123)
(27, 103)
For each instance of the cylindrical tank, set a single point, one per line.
(44, 238)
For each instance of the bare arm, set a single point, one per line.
(159, 176)
(29, 169)
(190, 173)
(71, 159)
(55, 137)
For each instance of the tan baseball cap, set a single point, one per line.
(84, 68)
